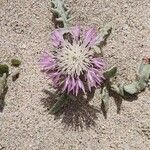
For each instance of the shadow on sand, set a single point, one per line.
(2, 99)
(79, 114)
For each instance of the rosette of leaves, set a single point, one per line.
(4, 74)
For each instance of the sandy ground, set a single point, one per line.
(25, 123)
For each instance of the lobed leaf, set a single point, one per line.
(60, 11)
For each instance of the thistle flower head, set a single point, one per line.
(73, 64)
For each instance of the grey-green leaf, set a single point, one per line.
(105, 98)
(145, 72)
(4, 69)
(118, 89)
(140, 68)
(149, 84)
(3, 82)
(138, 86)
(110, 73)
(132, 88)
(142, 84)
(60, 9)
(61, 101)
(105, 31)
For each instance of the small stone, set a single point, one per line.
(125, 5)
(125, 27)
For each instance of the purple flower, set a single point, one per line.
(73, 65)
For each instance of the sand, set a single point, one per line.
(25, 123)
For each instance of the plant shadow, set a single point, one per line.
(76, 114)
(2, 99)
(118, 99)
(79, 114)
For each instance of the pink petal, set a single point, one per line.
(96, 40)
(89, 77)
(77, 88)
(70, 84)
(95, 70)
(57, 38)
(90, 80)
(55, 76)
(76, 33)
(69, 87)
(98, 62)
(89, 35)
(80, 83)
(47, 62)
(66, 83)
(96, 78)
(73, 83)
(91, 38)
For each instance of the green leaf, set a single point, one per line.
(149, 84)
(145, 72)
(3, 82)
(141, 68)
(105, 98)
(138, 86)
(118, 89)
(135, 87)
(60, 10)
(110, 73)
(142, 84)
(121, 89)
(15, 62)
(61, 102)
(132, 88)
(4, 69)
(105, 31)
